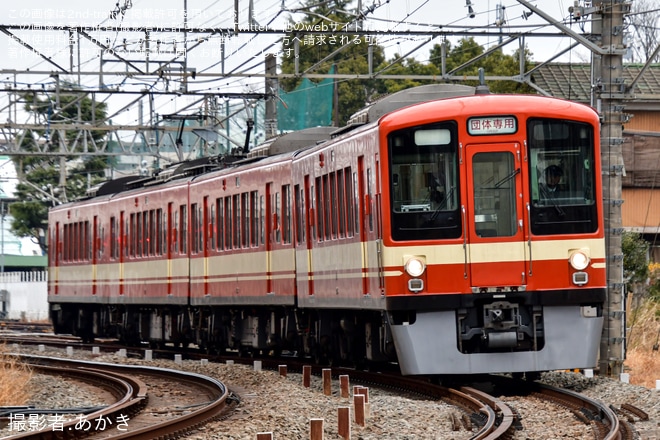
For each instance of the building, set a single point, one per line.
(23, 275)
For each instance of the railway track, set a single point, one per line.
(480, 413)
(143, 408)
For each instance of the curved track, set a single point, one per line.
(137, 413)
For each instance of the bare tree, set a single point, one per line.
(644, 29)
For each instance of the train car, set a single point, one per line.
(448, 230)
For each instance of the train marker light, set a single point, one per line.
(579, 260)
(415, 267)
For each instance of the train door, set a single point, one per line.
(495, 216)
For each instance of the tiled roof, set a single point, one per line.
(573, 81)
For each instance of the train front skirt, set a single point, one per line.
(429, 345)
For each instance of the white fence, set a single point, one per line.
(24, 296)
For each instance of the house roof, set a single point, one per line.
(573, 81)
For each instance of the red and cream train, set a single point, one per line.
(424, 236)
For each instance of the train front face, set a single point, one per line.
(485, 267)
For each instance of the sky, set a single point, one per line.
(42, 24)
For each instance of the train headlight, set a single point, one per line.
(579, 260)
(415, 267)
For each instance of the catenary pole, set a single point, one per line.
(611, 90)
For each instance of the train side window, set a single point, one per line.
(211, 225)
(194, 244)
(220, 230)
(200, 230)
(370, 198)
(68, 243)
(350, 213)
(327, 209)
(245, 217)
(74, 241)
(65, 243)
(286, 214)
(278, 216)
(355, 204)
(228, 223)
(298, 210)
(101, 235)
(314, 212)
(320, 229)
(237, 222)
(341, 208)
(55, 249)
(146, 230)
(183, 229)
(254, 209)
(175, 231)
(334, 205)
(161, 227)
(87, 245)
(262, 219)
(132, 236)
(113, 238)
(153, 228)
(139, 234)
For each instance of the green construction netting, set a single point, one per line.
(309, 105)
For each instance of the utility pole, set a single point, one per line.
(612, 91)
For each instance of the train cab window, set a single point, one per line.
(562, 176)
(424, 192)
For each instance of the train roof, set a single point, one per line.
(406, 97)
(285, 143)
(293, 141)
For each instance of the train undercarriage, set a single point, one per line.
(334, 337)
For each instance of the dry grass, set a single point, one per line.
(643, 357)
(14, 386)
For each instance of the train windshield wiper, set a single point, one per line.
(507, 178)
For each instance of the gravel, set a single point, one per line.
(281, 405)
